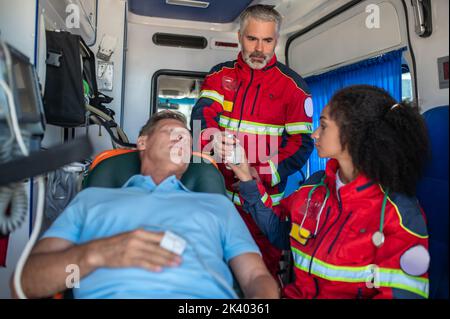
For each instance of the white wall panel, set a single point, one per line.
(144, 58)
(57, 14)
(346, 39)
(17, 25)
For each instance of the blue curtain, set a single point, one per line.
(177, 101)
(384, 71)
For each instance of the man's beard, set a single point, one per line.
(257, 65)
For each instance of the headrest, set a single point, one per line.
(113, 168)
(437, 124)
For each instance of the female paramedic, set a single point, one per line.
(355, 230)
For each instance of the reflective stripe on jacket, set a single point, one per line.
(269, 110)
(342, 261)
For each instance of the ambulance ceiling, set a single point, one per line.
(215, 11)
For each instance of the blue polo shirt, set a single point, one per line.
(209, 223)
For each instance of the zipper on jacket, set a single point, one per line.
(321, 240)
(256, 98)
(243, 101)
(316, 284)
(328, 230)
(359, 295)
(237, 92)
(339, 232)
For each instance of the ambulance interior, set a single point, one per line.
(153, 55)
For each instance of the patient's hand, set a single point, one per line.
(139, 248)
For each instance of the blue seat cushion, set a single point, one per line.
(432, 192)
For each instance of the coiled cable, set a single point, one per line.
(18, 197)
(12, 196)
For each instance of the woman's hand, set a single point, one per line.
(242, 170)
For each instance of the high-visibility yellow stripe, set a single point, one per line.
(254, 123)
(213, 95)
(250, 127)
(234, 197)
(275, 176)
(393, 278)
(276, 198)
(299, 128)
(265, 198)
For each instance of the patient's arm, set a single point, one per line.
(253, 277)
(45, 273)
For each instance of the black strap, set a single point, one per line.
(45, 161)
(107, 125)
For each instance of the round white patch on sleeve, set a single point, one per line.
(309, 107)
(415, 261)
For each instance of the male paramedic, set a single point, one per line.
(113, 236)
(263, 105)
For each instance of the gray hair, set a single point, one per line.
(163, 115)
(262, 12)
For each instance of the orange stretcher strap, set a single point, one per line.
(112, 153)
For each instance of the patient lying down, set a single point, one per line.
(112, 237)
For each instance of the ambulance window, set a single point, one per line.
(174, 90)
(407, 90)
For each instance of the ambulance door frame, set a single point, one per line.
(341, 10)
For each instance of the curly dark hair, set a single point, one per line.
(388, 142)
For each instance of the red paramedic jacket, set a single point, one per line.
(270, 112)
(341, 261)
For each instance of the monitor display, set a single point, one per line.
(25, 88)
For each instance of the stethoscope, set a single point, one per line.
(310, 194)
(378, 237)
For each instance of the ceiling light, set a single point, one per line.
(189, 3)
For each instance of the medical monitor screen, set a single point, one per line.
(25, 87)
